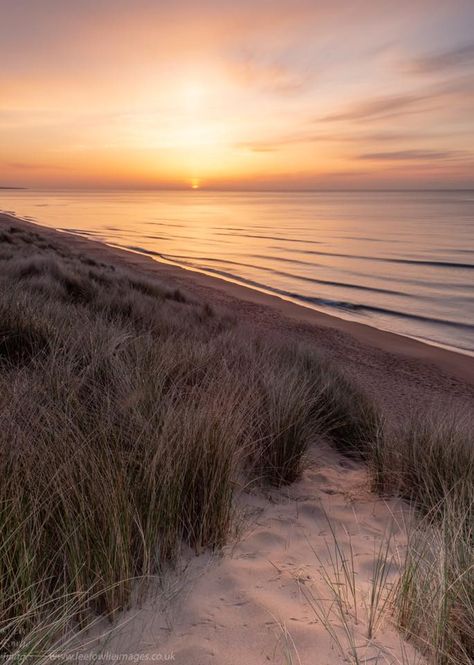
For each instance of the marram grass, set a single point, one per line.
(130, 414)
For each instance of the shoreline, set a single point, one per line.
(279, 296)
(158, 383)
(452, 363)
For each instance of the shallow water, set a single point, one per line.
(400, 261)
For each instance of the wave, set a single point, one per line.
(418, 262)
(251, 235)
(142, 250)
(321, 302)
(190, 261)
(416, 317)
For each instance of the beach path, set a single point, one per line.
(262, 600)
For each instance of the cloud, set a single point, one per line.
(417, 155)
(363, 138)
(269, 72)
(381, 107)
(26, 166)
(459, 90)
(462, 56)
(285, 140)
(261, 146)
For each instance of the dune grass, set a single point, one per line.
(130, 414)
(430, 462)
(354, 602)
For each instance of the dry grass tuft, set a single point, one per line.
(430, 462)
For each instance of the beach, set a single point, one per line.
(373, 352)
(258, 599)
(386, 260)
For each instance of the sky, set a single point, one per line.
(261, 94)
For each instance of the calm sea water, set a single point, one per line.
(400, 261)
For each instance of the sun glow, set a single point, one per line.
(241, 100)
(193, 96)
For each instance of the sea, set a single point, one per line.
(400, 261)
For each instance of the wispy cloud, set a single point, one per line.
(416, 155)
(275, 143)
(456, 58)
(27, 166)
(459, 90)
(362, 138)
(381, 107)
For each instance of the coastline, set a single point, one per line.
(340, 337)
(274, 526)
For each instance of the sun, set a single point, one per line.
(195, 183)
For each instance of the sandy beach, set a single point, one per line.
(265, 596)
(377, 358)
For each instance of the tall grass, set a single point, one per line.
(435, 599)
(430, 462)
(129, 415)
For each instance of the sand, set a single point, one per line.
(264, 597)
(259, 601)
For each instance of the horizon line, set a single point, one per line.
(308, 190)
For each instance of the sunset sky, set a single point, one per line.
(259, 94)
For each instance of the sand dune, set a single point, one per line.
(253, 604)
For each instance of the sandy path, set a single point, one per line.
(250, 605)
